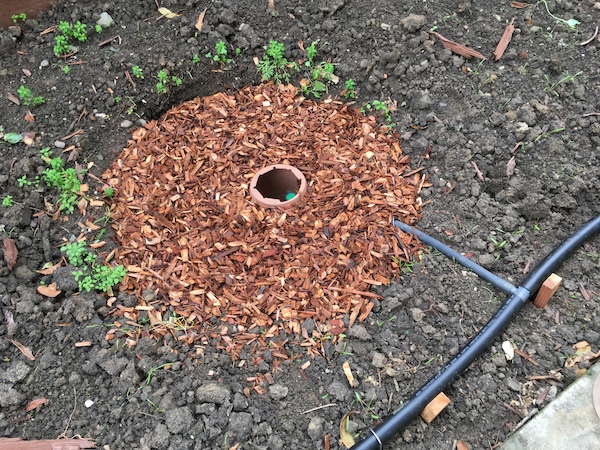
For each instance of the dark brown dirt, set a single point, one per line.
(464, 120)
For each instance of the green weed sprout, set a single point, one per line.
(571, 23)
(381, 108)
(350, 89)
(91, 274)
(65, 180)
(220, 54)
(274, 66)
(137, 72)
(68, 32)
(66, 70)
(8, 201)
(27, 97)
(98, 28)
(16, 17)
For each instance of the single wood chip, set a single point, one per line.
(10, 252)
(36, 403)
(519, 5)
(83, 344)
(188, 229)
(26, 352)
(458, 48)
(348, 373)
(504, 40)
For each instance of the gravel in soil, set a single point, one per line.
(510, 148)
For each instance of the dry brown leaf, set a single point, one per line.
(29, 137)
(166, 12)
(27, 72)
(272, 5)
(510, 166)
(458, 48)
(504, 40)
(460, 445)
(13, 99)
(10, 252)
(345, 436)
(200, 22)
(49, 270)
(23, 349)
(49, 290)
(519, 5)
(29, 117)
(36, 403)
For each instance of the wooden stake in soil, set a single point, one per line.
(547, 290)
(435, 407)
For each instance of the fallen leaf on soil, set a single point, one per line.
(35, 403)
(13, 138)
(510, 166)
(27, 72)
(504, 40)
(167, 13)
(28, 138)
(46, 444)
(458, 48)
(49, 290)
(10, 252)
(519, 5)
(348, 373)
(13, 99)
(583, 352)
(200, 22)
(23, 349)
(29, 117)
(48, 269)
(346, 437)
(460, 445)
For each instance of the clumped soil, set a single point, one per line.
(463, 120)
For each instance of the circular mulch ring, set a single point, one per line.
(188, 229)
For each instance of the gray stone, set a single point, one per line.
(240, 402)
(159, 438)
(24, 273)
(59, 144)
(315, 428)
(337, 390)
(17, 371)
(213, 393)
(9, 396)
(379, 360)
(422, 100)
(126, 124)
(179, 420)
(240, 425)
(64, 279)
(417, 314)
(413, 22)
(359, 332)
(486, 260)
(113, 366)
(278, 392)
(512, 384)
(105, 20)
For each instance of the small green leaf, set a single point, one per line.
(13, 138)
(572, 22)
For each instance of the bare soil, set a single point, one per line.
(464, 120)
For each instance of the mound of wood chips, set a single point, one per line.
(188, 230)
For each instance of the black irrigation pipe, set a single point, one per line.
(395, 423)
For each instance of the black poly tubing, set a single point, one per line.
(395, 423)
(483, 273)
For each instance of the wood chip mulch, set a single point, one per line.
(188, 230)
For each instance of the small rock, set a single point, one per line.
(179, 420)
(278, 392)
(359, 332)
(422, 100)
(315, 428)
(413, 22)
(521, 129)
(159, 438)
(213, 393)
(17, 371)
(126, 124)
(15, 32)
(9, 396)
(417, 314)
(105, 20)
(44, 63)
(59, 144)
(240, 425)
(486, 260)
(114, 366)
(337, 390)
(24, 273)
(379, 360)
(512, 384)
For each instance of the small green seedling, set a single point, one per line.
(68, 32)
(98, 28)
(65, 180)
(27, 97)
(66, 70)
(564, 80)
(571, 23)
(274, 66)
(8, 201)
(350, 89)
(381, 108)
(109, 192)
(16, 17)
(163, 81)
(220, 54)
(196, 59)
(137, 72)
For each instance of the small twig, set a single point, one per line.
(526, 356)
(532, 413)
(591, 114)
(109, 40)
(590, 39)
(479, 174)
(318, 407)
(63, 435)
